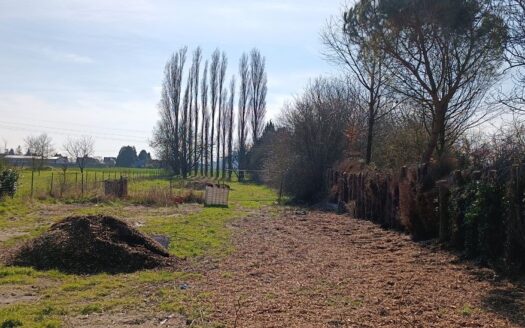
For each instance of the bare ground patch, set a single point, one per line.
(324, 270)
(136, 319)
(17, 294)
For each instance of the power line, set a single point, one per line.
(98, 136)
(86, 125)
(66, 131)
(60, 128)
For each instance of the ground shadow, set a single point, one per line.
(508, 301)
(505, 297)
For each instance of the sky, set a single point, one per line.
(94, 67)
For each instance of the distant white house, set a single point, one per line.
(27, 161)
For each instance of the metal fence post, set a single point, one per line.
(32, 181)
(51, 189)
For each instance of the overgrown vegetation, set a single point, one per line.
(478, 212)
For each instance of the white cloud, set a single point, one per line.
(57, 55)
(99, 63)
(99, 11)
(76, 58)
(111, 123)
(67, 57)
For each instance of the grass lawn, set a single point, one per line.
(48, 299)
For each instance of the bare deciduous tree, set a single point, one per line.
(311, 138)
(348, 44)
(222, 76)
(80, 150)
(192, 129)
(40, 148)
(166, 136)
(204, 121)
(185, 128)
(224, 130)
(197, 57)
(214, 94)
(230, 126)
(244, 112)
(189, 129)
(258, 85)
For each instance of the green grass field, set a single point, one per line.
(50, 298)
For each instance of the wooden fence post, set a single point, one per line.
(444, 194)
(51, 188)
(32, 181)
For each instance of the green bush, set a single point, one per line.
(8, 182)
(477, 212)
(515, 226)
(460, 198)
(11, 324)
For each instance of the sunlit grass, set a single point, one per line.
(194, 230)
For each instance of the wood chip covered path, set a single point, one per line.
(326, 270)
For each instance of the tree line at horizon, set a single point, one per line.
(202, 130)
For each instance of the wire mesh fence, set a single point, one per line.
(143, 186)
(75, 184)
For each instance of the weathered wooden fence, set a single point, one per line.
(384, 198)
(418, 200)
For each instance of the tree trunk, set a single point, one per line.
(224, 154)
(241, 160)
(82, 183)
(370, 136)
(212, 138)
(217, 165)
(206, 138)
(438, 129)
(202, 146)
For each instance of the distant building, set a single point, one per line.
(27, 161)
(140, 163)
(110, 161)
(92, 162)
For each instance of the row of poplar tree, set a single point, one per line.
(199, 122)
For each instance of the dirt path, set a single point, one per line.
(325, 270)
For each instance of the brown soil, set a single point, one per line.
(10, 233)
(127, 320)
(16, 294)
(91, 244)
(324, 270)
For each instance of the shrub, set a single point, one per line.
(8, 182)
(311, 139)
(477, 219)
(460, 198)
(10, 323)
(515, 225)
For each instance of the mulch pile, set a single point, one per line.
(91, 244)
